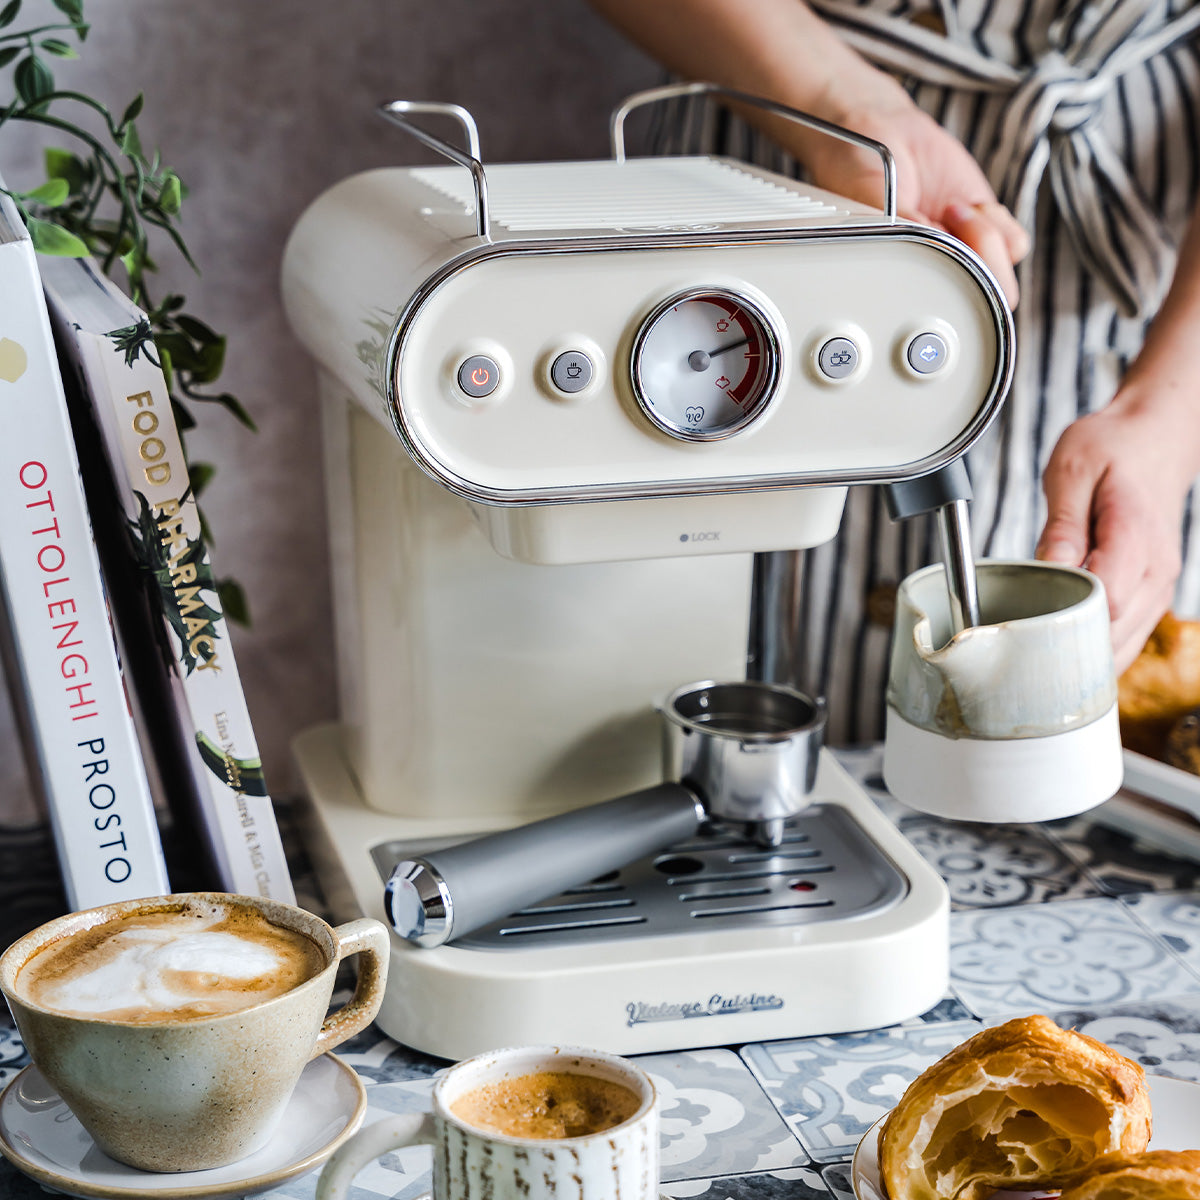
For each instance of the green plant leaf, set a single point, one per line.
(234, 405)
(131, 144)
(133, 111)
(58, 48)
(8, 12)
(200, 474)
(72, 8)
(171, 196)
(53, 193)
(8, 54)
(33, 80)
(62, 164)
(49, 238)
(233, 601)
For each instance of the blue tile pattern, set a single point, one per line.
(1070, 918)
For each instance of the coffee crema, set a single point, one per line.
(547, 1104)
(171, 965)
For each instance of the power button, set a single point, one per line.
(479, 376)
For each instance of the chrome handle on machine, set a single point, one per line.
(671, 90)
(396, 111)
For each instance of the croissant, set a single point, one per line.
(1019, 1106)
(1160, 686)
(1154, 1175)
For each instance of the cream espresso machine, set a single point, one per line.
(578, 419)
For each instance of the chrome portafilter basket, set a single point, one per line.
(742, 753)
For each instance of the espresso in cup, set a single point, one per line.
(176, 1028)
(524, 1123)
(170, 966)
(548, 1104)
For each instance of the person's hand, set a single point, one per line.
(940, 183)
(1115, 488)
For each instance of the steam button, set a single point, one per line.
(927, 353)
(479, 376)
(571, 371)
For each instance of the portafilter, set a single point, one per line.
(743, 753)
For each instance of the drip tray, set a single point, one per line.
(825, 869)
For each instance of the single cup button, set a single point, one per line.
(927, 353)
(571, 371)
(479, 376)
(838, 358)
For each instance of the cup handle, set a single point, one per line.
(370, 939)
(367, 1145)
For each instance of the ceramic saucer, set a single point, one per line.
(41, 1137)
(1174, 1102)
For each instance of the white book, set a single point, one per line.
(61, 658)
(104, 339)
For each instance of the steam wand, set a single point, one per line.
(946, 491)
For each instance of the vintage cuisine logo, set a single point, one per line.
(639, 1013)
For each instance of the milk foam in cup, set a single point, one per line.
(176, 1028)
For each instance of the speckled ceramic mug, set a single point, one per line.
(186, 1094)
(471, 1162)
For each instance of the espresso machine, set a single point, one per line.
(578, 419)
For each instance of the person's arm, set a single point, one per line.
(1117, 480)
(781, 50)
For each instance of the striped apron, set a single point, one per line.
(1085, 116)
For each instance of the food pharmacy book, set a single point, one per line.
(60, 655)
(106, 346)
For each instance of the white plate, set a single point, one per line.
(42, 1138)
(1174, 1102)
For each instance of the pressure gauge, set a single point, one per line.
(705, 364)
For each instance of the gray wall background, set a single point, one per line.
(260, 106)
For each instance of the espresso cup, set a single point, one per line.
(1014, 719)
(176, 1028)
(526, 1123)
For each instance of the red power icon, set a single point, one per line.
(480, 376)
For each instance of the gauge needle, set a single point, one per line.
(698, 360)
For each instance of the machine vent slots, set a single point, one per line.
(637, 194)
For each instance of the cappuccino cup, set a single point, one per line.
(176, 1028)
(526, 1123)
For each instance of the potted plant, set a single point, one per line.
(104, 195)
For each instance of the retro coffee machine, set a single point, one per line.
(578, 419)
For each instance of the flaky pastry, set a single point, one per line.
(1154, 1175)
(1020, 1106)
(1160, 686)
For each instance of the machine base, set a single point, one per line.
(641, 994)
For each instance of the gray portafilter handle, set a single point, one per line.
(450, 892)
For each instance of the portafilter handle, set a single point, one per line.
(447, 893)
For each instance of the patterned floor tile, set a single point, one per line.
(1119, 863)
(1163, 1037)
(989, 866)
(714, 1119)
(1174, 918)
(798, 1183)
(830, 1090)
(1041, 957)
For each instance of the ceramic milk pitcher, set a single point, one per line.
(1011, 720)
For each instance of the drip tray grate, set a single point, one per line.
(825, 869)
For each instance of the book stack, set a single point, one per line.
(116, 650)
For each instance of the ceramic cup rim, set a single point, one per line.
(542, 1058)
(297, 919)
